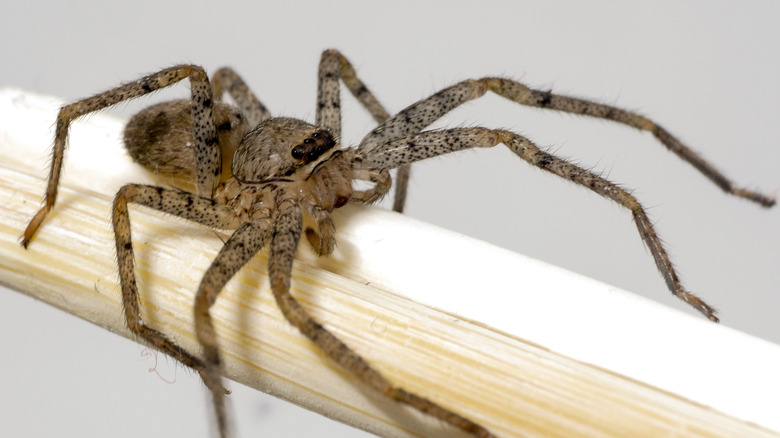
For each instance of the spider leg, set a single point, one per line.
(208, 160)
(284, 241)
(227, 79)
(419, 115)
(433, 143)
(334, 65)
(242, 245)
(188, 206)
(523, 95)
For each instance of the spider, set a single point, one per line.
(270, 180)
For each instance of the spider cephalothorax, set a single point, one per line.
(270, 180)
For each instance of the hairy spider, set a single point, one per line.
(271, 179)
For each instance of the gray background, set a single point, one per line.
(705, 70)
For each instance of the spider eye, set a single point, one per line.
(298, 152)
(313, 147)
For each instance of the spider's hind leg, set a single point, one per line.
(227, 79)
(204, 132)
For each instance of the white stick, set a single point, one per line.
(500, 338)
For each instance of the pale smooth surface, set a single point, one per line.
(705, 70)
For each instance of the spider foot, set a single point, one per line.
(213, 381)
(699, 305)
(763, 200)
(34, 224)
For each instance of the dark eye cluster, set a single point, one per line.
(314, 146)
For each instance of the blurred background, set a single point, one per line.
(707, 71)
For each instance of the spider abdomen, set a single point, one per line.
(160, 137)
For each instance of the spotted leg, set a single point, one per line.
(284, 241)
(422, 114)
(334, 66)
(242, 245)
(226, 79)
(205, 135)
(434, 143)
(198, 209)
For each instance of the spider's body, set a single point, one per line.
(160, 137)
(280, 160)
(272, 180)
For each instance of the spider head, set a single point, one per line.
(281, 149)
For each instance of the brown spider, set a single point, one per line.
(271, 179)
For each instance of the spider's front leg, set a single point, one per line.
(434, 143)
(422, 114)
(207, 152)
(524, 95)
(335, 66)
